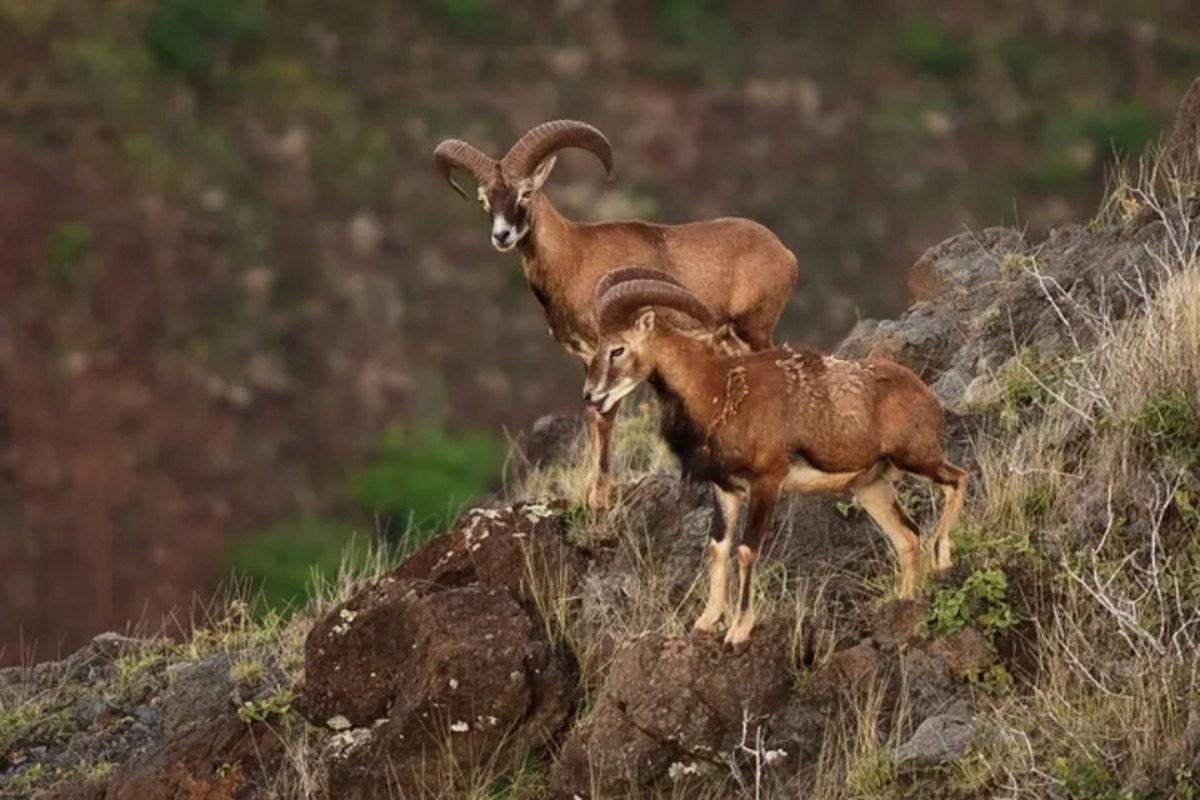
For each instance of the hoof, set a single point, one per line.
(698, 635)
(737, 648)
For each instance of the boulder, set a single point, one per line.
(420, 684)
(501, 547)
(671, 708)
(939, 739)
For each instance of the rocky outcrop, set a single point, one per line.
(670, 709)
(418, 685)
(984, 295)
(442, 665)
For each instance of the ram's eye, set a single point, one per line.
(524, 195)
(616, 353)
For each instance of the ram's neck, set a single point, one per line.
(547, 250)
(691, 371)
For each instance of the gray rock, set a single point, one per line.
(940, 739)
(88, 708)
(198, 693)
(111, 644)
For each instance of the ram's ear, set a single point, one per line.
(645, 321)
(543, 172)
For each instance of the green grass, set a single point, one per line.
(424, 475)
(282, 560)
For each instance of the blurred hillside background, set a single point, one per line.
(241, 318)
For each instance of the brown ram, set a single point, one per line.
(772, 421)
(738, 268)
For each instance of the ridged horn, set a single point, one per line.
(548, 138)
(623, 274)
(457, 153)
(619, 304)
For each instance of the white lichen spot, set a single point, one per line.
(344, 743)
(538, 511)
(453, 683)
(346, 616)
(771, 756)
(679, 769)
(488, 720)
(338, 723)
(460, 727)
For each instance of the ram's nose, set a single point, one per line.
(502, 236)
(593, 399)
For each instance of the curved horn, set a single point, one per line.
(543, 140)
(621, 301)
(623, 274)
(457, 153)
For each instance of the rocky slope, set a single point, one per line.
(226, 266)
(536, 651)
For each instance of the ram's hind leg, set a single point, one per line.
(878, 497)
(953, 481)
(600, 490)
(720, 546)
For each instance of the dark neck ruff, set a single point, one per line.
(684, 438)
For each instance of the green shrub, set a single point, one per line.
(425, 475)
(274, 706)
(1168, 422)
(201, 40)
(929, 48)
(1125, 128)
(696, 38)
(1027, 380)
(66, 251)
(118, 77)
(1085, 779)
(1073, 141)
(982, 601)
(470, 18)
(281, 561)
(1028, 61)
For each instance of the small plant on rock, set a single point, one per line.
(981, 600)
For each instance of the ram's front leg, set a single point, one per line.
(600, 490)
(720, 546)
(763, 494)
